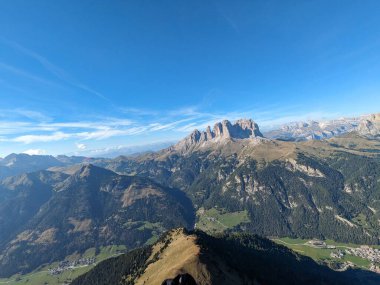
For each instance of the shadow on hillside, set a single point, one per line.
(266, 262)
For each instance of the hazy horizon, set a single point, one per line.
(117, 150)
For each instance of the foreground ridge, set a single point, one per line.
(223, 259)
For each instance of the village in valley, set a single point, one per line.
(365, 252)
(71, 264)
(339, 256)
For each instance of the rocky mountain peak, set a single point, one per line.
(85, 170)
(224, 130)
(370, 126)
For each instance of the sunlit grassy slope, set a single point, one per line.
(217, 220)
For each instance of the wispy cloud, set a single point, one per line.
(33, 115)
(35, 151)
(49, 66)
(9, 127)
(113, 151)
(81, 146)
(100, 125)
(108, 133)
(27, 139)
(21, 113)
(169, 126)
(227, 18)
(43, 129)
(25, 74)
(138, 112)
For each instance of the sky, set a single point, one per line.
(78, 77)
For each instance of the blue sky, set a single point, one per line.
(85, 75)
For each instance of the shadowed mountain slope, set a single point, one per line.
(59, 214)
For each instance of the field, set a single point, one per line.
(217, 220)
(157, 229)
(43, 277)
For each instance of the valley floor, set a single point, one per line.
(339, 256)
(59, 273)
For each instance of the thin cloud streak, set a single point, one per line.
(35, 151)
(52, 68)
(27, 139)
(177, 123)
(25, 74)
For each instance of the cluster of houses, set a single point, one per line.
(71, 264)
(337, 254)
(365, 252)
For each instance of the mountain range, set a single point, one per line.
(305, 189)
(45, 216)
(15, 164)
(51, 207)
(366, 125)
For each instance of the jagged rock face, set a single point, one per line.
(370, 126)
(241, 129)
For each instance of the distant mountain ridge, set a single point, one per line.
(366, 125)
(15, 164)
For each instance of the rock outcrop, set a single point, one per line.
(370, 126)
(225, 130)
